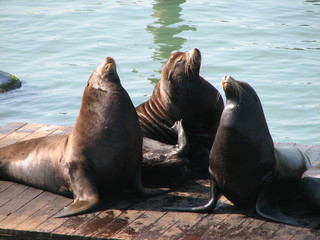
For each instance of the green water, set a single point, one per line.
(53, 46)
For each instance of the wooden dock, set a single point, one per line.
(28, 213)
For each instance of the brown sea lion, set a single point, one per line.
(103, 153)
(244, 164)
(311, 188)
(182, 93)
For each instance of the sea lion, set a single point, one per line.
(182, 93)
(103, 152)
(244, 164)
(164, 163)
(310, 184)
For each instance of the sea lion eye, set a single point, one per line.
(180, 59)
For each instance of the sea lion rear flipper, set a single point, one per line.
(267, 205)
(208, 207)
(85, 192)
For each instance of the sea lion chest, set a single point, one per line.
(107, 136)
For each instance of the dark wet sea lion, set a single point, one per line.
(182, 93)
(103, 153)
(311, 188)
(165, 164)
(244, 164)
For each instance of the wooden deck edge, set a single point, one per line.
(10, 234)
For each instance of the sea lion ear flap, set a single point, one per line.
(170, 73)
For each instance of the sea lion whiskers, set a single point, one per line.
(234, 87)
(239, 91)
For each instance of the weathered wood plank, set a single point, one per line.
(11, 192)
(26, 211)
(53, 223)
(140, 225)
(74, 223)
(17, 202)
(209, 227)
(286, 232)
(185, 222)
(123, 220)
(9, 128)
(43, 214)
(4, 185)
(43, 130)
(99, 222)
(22, 132)
(62, 130)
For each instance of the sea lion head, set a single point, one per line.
(182, 66)
(105, 72)
(243, 109)
(238, 91)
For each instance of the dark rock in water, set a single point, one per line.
(8, 82)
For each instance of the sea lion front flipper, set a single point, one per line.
(267, 205)
(84, 190)
(183, 144)
(208, 207)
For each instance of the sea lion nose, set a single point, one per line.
(195, 51)
(109, 60)
(226, 79)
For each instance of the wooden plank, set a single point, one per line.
(267, 230)
(286, 232)
(233, 226)
(44, 130)
(62, 130)
(11, 127)
(4, 185)
(22, 132)
(161, 225)
(102, 219)
(53, 223)
(26, 211)
(43, 216)
(11, 192)
(140, 225)
(208, 227)
(312, 233)
(74, 223)
(123, 220)
(17, 202)
(99, 222)
(185, 222)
